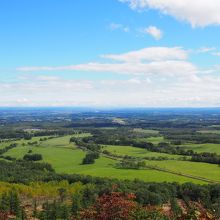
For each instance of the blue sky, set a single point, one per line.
(145, 53)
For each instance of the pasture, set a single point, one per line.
(136, 152)
(209, 171)
(146, 131)
(66, 158)
(154, 140)
(199, 148)
(209, 131)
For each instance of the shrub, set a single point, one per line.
(32, 157)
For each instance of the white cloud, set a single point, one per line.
(150, 54)
(134, 81)
(47, 78)
(206, 49)
(116, 26)
(159, 67)
(216, 54)
(139, 91)
(156, 76)
(197, 12)
(43, 91)
(148, 61)
(155, 32)
(22, 101)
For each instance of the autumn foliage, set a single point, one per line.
(110, 207)
(3, 215)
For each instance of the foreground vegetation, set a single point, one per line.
(73, 196)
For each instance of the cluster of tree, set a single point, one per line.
(7, 157)
(160, 158)
(10, 204)
(116, 205)
(163, 147)
(32, 157)
(5, 149)
(131, 164)
(82, 122)
(53, 211)
(57, 131)
(46, 138)
(32, 143)
(21, 171)
(179, 136)
(90, 158)
(212, 158)
(87, 204)
(67, 206)
(19, 133)
(9, 133)
(85, 143)
(106, 152)
(118, 136)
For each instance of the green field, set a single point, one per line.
(19, 142)
(136, 152)
(57, 142)
(209, 131)
(205, 170)
(212, 148)
(66, 158)
(145, 131)
(153, 140)
(3, 144)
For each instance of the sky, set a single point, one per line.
(110, 53)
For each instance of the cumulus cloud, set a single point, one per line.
(155, 32)
(193, 12)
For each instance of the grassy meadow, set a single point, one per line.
(199, 148)
(65, 157)
(153, 140)
(136, 152)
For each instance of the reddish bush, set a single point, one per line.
(3, 216)
(111, 207)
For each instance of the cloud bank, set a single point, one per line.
(192, 91)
